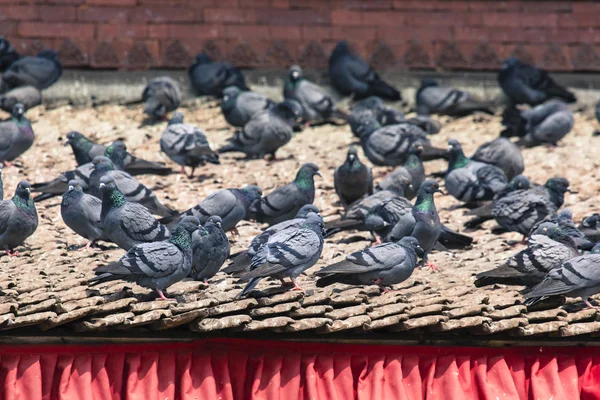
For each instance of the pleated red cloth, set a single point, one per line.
(229, 369)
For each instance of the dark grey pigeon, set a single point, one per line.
(284, 202)
(241, 262)
(40, 71)
(502, 153)
(431, 98)
(353, 179)
(287, 253)
(127, 224)
(412, 170)
(564, 220)
(372, 108)
(547, 248)
(133, 190)
(590, 227)
(210, 249)
(229, 204)
(210, 78)
(471, 181)
(577, 277)
(546, 123)
(429, 125)
(186, 144)
(317, 104)
(384, 265)
(8, 54)
(351, 76)
(525, 84)
(18, 219)
(161, 96)
(29, 96)
(81, 213)
(155, 265)
(266, 132)
(16, 135)
(238, 106)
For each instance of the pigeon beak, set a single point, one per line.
(318, 174)
(28, 190)
(572, 191)
(71, 187)
(102, 184)
(219, 224)
(440, 191)
(67, 142)
(295, 74)
(351, 157)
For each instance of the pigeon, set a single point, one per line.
(502, 153)
(431, 98)
(229, 204)
(591, 228)
(210, 249)
(16, 135)
(210, 78)
(29, 96)
(547, 248)
(186, 144)
(239, 106)
(81, 213)
(471, 181)
(18, 219)
(372, 108)
(134, 191)
(288, 253)
(85, 150)
(241, 262)
(2, 186)
(155, 265)
(412, 170)
(544, 124)
(525, 84)
(577, 277)
(127, 224)
(384, 265)
(351, 76)
(8, 54)
(353, 179)
(284, 202)
(266, 132)
(316, 103)
(597, 111)
(40, 71)
(564, 220)
(160, 96)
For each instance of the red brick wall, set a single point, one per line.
(405, 34)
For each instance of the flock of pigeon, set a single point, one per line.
(103, 201)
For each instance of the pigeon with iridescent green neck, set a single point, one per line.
(18, 219)
(412, 170)
(352, 180)
(210, 249)
(284, 202)
(154, 265)
(16, 135)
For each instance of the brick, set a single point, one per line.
(544, 20)
(71, 2)
(291, 17)
(578, 20)
(383, 18)
(111, 14)
(227, 15)
(585, 7)
(510, 20)
(244, 32)
(255, 4)
(280, 3)
(345, 17)
(164, 14)
(353, 33)
(285, 32)
(559, 6)
(8, 28)
(111, 31)
(431, 5)
(489, 6)
(120, 3)
(58, 13)
(312, 4)
(58, 30)
(180, 31)
(18, 13)
(433, 19)
(316, 33)
(369, 5)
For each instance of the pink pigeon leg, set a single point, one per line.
(162, 296)
(297, 287)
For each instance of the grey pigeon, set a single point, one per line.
(241, 262)
(8, 54)
(229, 204)
(597, 111)
(471, 181)
(351, 76)
(238, 106)
(547, 248)
(287, 253)
(133, 190)
(372, 108)
(317, 104)
(431, 98)
(545, 123)
(186, 144)
(564, 220)
(502, 153)
(210, 78)
(18, 219)
(160, 96)
(525, 84)
(384, 265)
(590, 227)
(284, 202)
(16, 135)
(127, 224)
(210, 249)
(29, 96)
(353, 179)
(155, 265)
(577, 277)
(40, 71)
(412, 170)
(81, 213)
(266, 132)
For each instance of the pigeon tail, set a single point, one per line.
(249, 287)
(504, 275)
(381, 89)
(241, 263)
(454, 240)
(434, 153)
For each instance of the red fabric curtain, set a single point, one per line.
(241, 369)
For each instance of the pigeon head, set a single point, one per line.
(102, 163)
(116, 153)
(557, 187)
(520, 182)
(371, 102)
(430, 187)
(352, 155)
(399, 186)
(457, 158)
(214, 220)
(190, 224)
(428, 82)
(251, 193)
(566, 214)
(306, 175)
(510, 62)
(412, 243)
(374, 222)
(111, 195)
(315, 222)
(74, 138)
(340, 49)
(591, 221)
(176, 118)
(306, 209)
(48, 54)
(74, 186)
(182, 237)
(414, 155)
(203, 58)
(18, 111)
(424, 203)
(367, 127)
(23, 190)
(554, 232)
(596, 249)
(295, 73)
(230, 93)
(22, 198)
(290, 110)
